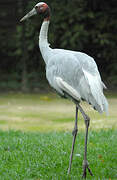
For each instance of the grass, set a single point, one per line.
(49, 112)
(38, 141)
(36, 156)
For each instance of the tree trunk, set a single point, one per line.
(24, 56)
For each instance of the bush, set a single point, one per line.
(80, 25)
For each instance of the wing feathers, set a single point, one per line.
(67, 88)
(96, 97)
(93, 91)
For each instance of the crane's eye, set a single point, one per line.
(39, 7)
(36, 7)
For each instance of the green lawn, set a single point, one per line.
(49, 112)
(38, 143)
(41, 156)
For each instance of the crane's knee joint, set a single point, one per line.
(87, 121)
(74, 132)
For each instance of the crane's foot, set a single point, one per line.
(85, 167)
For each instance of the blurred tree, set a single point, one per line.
(89, 26)
(22, 48)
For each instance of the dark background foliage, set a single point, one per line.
(89, 26)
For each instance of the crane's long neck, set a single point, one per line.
(43, 39)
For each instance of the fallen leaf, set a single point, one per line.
(100, 156)
(102, 160)
(45, 98)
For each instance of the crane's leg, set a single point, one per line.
(85, 162)
(74, 133)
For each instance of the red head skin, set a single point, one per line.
(45, 10)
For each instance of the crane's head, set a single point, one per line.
(39, 8)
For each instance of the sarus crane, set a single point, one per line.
(74, 75)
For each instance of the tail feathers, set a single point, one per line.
(104, 86)
(105, 106)
(96, 96)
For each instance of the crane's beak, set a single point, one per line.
(31, 13)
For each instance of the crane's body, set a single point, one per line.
(73, 75)
(65, 69)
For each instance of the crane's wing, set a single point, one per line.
(65, 87)
(95, 92)
(77, 75)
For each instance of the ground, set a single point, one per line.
(36, 138)
(49, 112)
